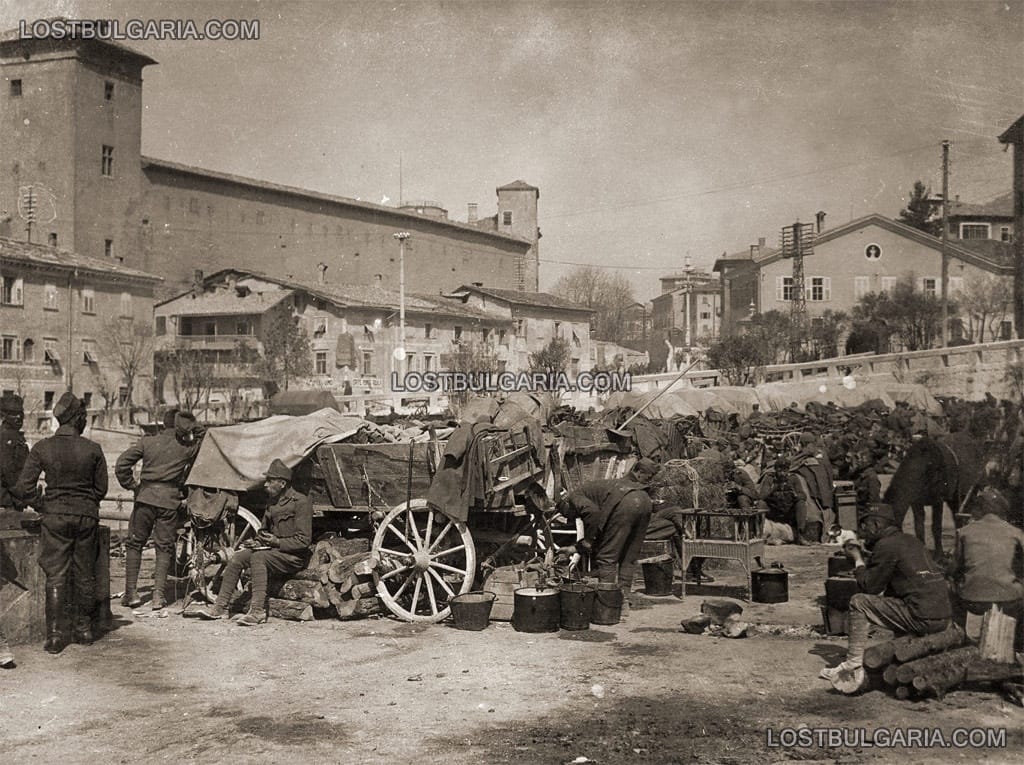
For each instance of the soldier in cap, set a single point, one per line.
(76, 481)
(900, 587)
(166, 458)
(611, 519)
(281, 546)
(13, 450)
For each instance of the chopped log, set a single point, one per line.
(290, 609)
(333, 548)
(917, 646)
(362, 590)
(366, 567)
(313, 593)
(930, 665)
(346, 586)
(734, 627)
(340, 568)
(308, 575)
(1014, 692)
(904, 692)
(889, 676)
(879, 655)
(358, 609)
(987, 671)
(941, 682)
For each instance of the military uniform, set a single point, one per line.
(288, 525)
(166, 458)
(13, 451)
(76, 481)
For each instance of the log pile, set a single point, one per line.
(337, 582)
(915, 667)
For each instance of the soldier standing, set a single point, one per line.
(76, 481)
(13, 450)
(166, 458)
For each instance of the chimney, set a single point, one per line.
(478, 284)
(754, 249)
(197, 282)
(760, 243)
(471, 212)
(819, 218)
(322, 277)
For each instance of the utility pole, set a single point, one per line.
(400, 353)
(797, 241)
(945, 243)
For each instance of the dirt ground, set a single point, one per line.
(378, 690)
(166, 688)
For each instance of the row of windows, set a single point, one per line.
(13, 349)
(16, 89)
(984, 231)
(12, 293)
(819, 288)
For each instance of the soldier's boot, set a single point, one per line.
(132, 564)
(848, 677)
(82, 633)
(55, 637)
(254, 617)
(211, 613)
(163, 565)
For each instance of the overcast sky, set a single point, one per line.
(652, 129)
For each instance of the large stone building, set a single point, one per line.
(71, 322)
(71, 117)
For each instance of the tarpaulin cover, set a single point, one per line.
(236, 456)
(743, 398)
(780, 395)
(917, 396)
(665, 408)
(703, 399)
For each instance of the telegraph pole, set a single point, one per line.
(1014, 135)
(945, 243)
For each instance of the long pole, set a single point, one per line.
(401, 237)
(945, 243)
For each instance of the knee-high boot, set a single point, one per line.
(132, 564)
(163, 565)
(56, 598)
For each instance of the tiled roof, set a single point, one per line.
(342, 295)
(228, 302)
(1000, 207)
(401, 214)
(516, 297)
(519, 186)
(993, 249)
(13, 250)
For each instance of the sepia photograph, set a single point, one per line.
(540, 382)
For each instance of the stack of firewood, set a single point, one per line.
(338, 582)
(932, 665)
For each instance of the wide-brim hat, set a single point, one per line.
(278, 469)
(882, 511)
(645, 469)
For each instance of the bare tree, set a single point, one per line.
(986, 299)
(190, 373)
(128, 344)
(611, 296)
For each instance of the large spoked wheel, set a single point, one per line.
(208, 551)
(425, 559)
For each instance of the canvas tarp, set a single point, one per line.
(917, 396)
(236, 456)
(742, 398)
(665, 408)
(703, 399)
(780, 395)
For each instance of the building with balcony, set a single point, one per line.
(69, 322)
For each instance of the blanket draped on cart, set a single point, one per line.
(461, 481)
(236, 456)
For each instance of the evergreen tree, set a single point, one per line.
(921, 211)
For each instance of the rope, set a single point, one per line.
(692, 474)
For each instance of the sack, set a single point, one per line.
(207, 506)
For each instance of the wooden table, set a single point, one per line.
(726, 535)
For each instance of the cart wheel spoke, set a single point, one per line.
(416, 591)
(426, 534)
(445, 567)
(396, 572)
(435, 556)
(442, 582)
(393, 553)
(430, 593)
(401, 536)
(398, 593)
(441, 536)
(410, 522)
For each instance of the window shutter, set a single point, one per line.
(827, 288)
(16, 296)
(779, 282)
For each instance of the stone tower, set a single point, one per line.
(517, 216)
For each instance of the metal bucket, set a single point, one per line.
(536, 610)
(576, 602)
(658, 576)
(770, 585)
(607, 604)
(472, 610)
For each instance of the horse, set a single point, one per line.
(934, 472)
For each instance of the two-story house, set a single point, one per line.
(72, 322)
